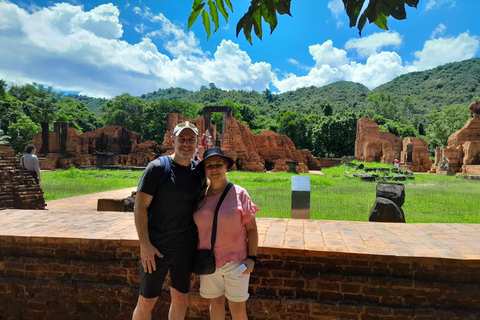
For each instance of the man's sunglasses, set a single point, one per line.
(183, 123)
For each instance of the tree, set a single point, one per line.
(126, 111)
(335, 135)
(22, 132)
(3, 88)
(442, 124)
(76, 112)
(377, 12)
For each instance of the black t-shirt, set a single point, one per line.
(171, 228)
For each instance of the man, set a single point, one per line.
(30, 162)
(166, 230)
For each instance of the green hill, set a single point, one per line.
(452, 83)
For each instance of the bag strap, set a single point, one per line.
(214, 227)
(165, 168)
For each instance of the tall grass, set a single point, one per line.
(429, 198)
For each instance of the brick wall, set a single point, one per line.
(329, 162)
(18, 188)
(58, 278)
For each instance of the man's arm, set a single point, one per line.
(147, 250)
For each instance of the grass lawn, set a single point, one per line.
(429, 198)
(74, 182)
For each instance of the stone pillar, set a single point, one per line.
(208, 121)
(63, 137)
(300, 197)
(45, 138)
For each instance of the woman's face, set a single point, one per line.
(216, 169)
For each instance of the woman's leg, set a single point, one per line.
(238, 310)
(217, 308)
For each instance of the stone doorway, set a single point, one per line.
(269, 165)
(410, 153)
(226, 113)
(476, 160)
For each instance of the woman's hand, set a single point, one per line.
(249, 264)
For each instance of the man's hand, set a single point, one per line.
(147, 254)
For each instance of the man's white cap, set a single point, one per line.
(185, 125)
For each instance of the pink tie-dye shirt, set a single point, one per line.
(236, 210)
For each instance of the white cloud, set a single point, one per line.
(444, 50)
(78, 50)
(336, 7)
(440, 30)
(437, 3)
(140, 28)
(371, 44)
(332, 64)
(298, 64)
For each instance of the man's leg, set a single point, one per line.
(143, 310)
(178, 306)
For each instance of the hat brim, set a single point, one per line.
(230, 161)
(176, 133)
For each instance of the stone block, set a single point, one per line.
(385, 210)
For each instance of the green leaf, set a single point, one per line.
(397, 10)
(353, 8)
(381, 22)
(229, 4)
(196, 3)
(257, 22)
(213, 13)
(221, 8)
(194, 14)
(206, 22)
(283, 7)
(412, 3)
(269, 14)
(361, 23)
(246, 24)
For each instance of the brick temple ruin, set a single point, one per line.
(115, 145)
(373, 145)
(462, 154)
(18, 188)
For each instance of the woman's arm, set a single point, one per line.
(252, 236)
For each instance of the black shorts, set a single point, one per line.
(180, 266)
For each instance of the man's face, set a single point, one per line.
(185, 144)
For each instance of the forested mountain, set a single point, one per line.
(93, 104)
(452, 83)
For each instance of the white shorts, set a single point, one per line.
(223, 282)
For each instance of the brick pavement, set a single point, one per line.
(432, 240)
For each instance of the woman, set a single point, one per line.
(236, 242)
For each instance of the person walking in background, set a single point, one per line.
(209, 139)
(236, 238)
(30, 162)
(167, 194)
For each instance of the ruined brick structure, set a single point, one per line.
(463, 150)
(18, 189)
(128, 148)
(373, 145)
(265, 151)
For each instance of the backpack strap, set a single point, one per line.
(163, 172)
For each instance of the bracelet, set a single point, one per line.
(253, 258)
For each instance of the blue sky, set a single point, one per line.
(103, 49)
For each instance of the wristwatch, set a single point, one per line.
(253, 258)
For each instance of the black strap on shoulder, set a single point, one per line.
(214, 227)
(164, 169)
